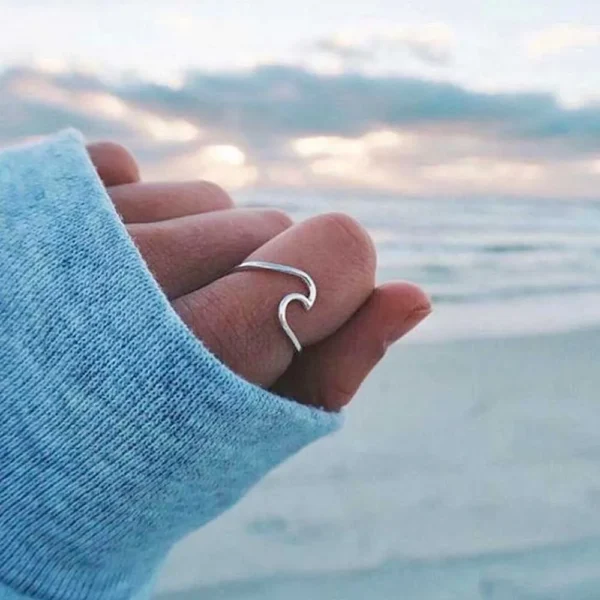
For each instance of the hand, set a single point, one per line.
(191, 236)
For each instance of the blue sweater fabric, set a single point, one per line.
(119, 432)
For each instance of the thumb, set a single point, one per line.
(329, 374)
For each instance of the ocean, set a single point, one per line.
(470, 464)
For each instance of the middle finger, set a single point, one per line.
(187, 253)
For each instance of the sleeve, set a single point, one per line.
(119, 432)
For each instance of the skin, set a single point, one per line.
(191, 235)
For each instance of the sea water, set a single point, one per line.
(471, 250)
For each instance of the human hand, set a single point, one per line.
(191, 236)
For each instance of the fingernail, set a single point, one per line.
(415, 317)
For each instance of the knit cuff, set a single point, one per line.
(120, 432)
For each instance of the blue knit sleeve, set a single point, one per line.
(119, 432)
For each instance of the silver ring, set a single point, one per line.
(306, 301)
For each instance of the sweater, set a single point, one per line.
(120, 432)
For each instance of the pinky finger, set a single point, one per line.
(329, 374)
(114, 163)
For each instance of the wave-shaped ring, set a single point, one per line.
(306, 301)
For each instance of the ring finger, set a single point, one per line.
(236, 316)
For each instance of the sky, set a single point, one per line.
(433, 98)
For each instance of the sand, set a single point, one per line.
(468, 469)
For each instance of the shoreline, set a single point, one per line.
(453, 449)
(513, 318)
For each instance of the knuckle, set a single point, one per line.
(117, 154)
(216, 193)
(150, 244)
(353, 238)
(279, 218)
(113, 148)
(117, 151)
(335, 395)
(219, 322)
(198, 313)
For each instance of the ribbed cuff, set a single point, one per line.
(120, 432)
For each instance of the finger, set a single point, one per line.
(329, 374)
(151, 202)
(187, 253)
(236, 317)
(114, 163)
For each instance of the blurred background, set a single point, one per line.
(466, 136)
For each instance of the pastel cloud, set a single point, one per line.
(285, 126)
(103, 105)
(561, 38)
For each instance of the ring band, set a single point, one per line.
(306, 301)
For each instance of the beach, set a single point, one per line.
(464, 137)
(468, 468)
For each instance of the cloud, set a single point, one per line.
(105, 106)
(285, 126)
(560, 38)
(432, 43)
(276, 101)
